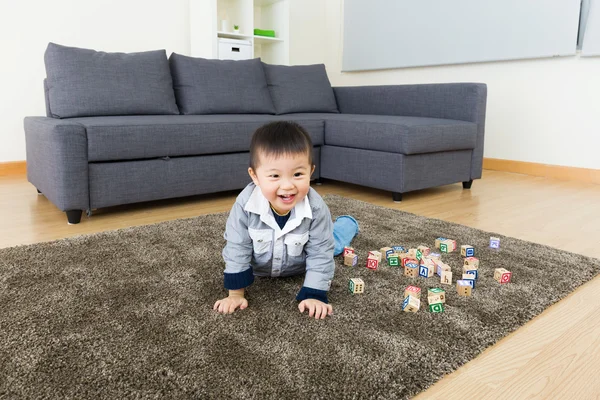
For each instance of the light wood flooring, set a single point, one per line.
(552, 357)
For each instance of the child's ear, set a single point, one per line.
(312, 170)
(253, 176)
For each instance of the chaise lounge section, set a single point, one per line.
(97, 147)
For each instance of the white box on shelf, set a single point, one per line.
(234, 49)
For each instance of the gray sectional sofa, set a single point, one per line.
(125, 128)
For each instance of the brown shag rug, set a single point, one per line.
(128, 314)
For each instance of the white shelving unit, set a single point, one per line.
(206, 27)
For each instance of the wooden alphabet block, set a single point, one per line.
(438, 241)
(348, 250)
(412, 253)
(448, 246)
(446, 278)
(386, 251)
(425, 271)
(472, 262)
(440, 268)
(393, 260)
(494, 243)
(424, 250)
(411, 269)
(375, 254)
(356, 285)
(399, 249)
(372, 263)
(413, 291)
(467, 250)
(435, 256)
(469, 278)
(467, 269)
(411, 304)
(406, 260)
(436, 307)
(350, 259)
(463, 288)
(502, 275)
(436, 295)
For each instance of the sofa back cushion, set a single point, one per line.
(205, 86)
(300, 89)
(83, 82)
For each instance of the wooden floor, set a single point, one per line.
(552, 357)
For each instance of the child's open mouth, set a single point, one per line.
(287, 198)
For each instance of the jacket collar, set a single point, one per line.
(258, 204)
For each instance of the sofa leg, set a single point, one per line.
(74, 216)
(467, 184)
(38, 190)
(397, 197)
(318, 181)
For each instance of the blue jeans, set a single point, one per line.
(344, 229)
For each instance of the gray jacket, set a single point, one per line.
(254, 240)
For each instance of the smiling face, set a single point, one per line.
(283, 180)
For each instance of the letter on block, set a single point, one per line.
(502, 275)
(436, 307)
(348, 250)
(387, 251)
(469, 278)
(446, 278)
(439, 241)
(411, 304)
(356, 285)
(436, 295)
(372, 263)
(393, 260)
(494, 243)
(463, 288)
(413, 291)
(472, 262)
(467, 250)
(425, 272)
(350, 259)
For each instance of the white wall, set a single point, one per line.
(27, 26)
(543, 111)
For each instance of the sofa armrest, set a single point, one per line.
(458, 101)
(57, 162)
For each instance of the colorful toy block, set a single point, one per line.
(399, 249)
(435, 256)
(387, 251)
(348, 250)
(472, 273)
(356, 286)
(463, 288)
(372, 263)
(502, 275)
(375, 254)
(425, 271)
(467, 250)
(448, 246)
(411, 269)
(412, 291)
(436, 295)
(350, 260)
(472, 262)
(446, 278)
(411, 304)
(406, 259)
(436, 307)
(412, 253)
(494, 243)
(438, 241)
(440, 268)
(393, 260)
(469, 278)
(424, 250)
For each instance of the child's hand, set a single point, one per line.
(230, 303)
(316, 308)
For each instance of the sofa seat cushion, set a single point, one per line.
(394, 134)
(152, 136)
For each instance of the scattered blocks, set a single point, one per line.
(436, 307)
(393, 260)
(350, 259)
(411, 304)
(471, 262)
(375, 254)
(372, 263)
(411, 269)
(436, 295)
(413, 291)
(470, 279)
(348, 250)
(387, 251)
(424, 250)
(502, 275)
(463, 288)
(494, 243)
(446, 278)
(356, 286)
(467, 250)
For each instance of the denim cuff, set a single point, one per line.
(310, 293)
(238, 280)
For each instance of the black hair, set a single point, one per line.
(279, 138)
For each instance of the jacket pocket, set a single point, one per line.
(261, 239)
(295, 243)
